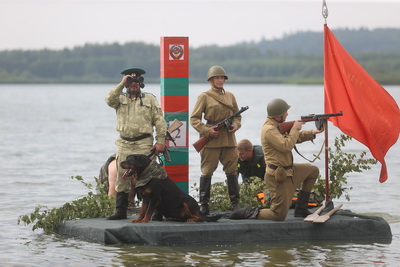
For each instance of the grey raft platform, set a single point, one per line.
(342, 226)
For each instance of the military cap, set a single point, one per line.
(137, 71)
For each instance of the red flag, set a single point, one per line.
(370, 114)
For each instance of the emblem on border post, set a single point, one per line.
(176, 52)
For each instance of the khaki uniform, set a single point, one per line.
(277, 150)
(216, 106)
(135, 117)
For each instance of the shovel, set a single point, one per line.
(325, 217)
(315, 215)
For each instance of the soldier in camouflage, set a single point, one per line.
(138, 113)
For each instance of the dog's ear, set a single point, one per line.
(124, 165)
(128, 162)
(141, 162)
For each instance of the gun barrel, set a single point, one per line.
(243, 109)
(321, 116)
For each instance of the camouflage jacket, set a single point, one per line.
(153, 171)
(137, 116)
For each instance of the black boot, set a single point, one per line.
(205, 190)
(233, 190)
(244, 213)
(121, 207)
(301, 209)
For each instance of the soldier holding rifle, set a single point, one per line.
(282, 176)
(217, 104)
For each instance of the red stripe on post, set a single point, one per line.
(178, 173)
(175, 103)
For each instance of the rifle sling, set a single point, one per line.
(220, 101)
(316, 157)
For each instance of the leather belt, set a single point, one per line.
(133, 139)
(274, 167)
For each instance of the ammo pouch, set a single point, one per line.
(280, 174)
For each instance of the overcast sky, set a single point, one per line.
(58, 24)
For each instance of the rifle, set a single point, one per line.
(319, 119)
(199, 144)
(174, 126)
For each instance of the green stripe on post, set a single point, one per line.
(174, 86)
(184, 186)
(179, 156)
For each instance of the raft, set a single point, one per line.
(344, 225)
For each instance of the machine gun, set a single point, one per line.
(174, 126)
(319, 119)
(199, 144)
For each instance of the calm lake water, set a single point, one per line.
(49, 133)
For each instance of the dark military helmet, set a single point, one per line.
(215, 71)
(137, 71)
(277, 107)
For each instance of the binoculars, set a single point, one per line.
(138, 79)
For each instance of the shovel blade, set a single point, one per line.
(325, 217)
(311, 217)
(315, 215)
(322, 219)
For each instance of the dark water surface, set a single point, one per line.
(49, 133)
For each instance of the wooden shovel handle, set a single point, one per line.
(320, 209)
(332, 211)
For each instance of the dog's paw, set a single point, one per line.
(140, 221)
(193, 219)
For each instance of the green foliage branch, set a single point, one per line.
(219, 199)
(340, 165)
(94, 205)
(98, 204)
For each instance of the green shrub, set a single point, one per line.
(341, 164)
(94, 205)
(219, 199)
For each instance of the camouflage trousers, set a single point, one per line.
(124, 150)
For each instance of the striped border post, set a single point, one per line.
(174, 79)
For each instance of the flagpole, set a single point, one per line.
(327, 196)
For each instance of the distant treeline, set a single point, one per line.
(295, 58)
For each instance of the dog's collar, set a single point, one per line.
(152, 171)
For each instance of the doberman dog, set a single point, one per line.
(159, 193)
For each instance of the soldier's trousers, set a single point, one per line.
(282, 193)
(124, 150)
